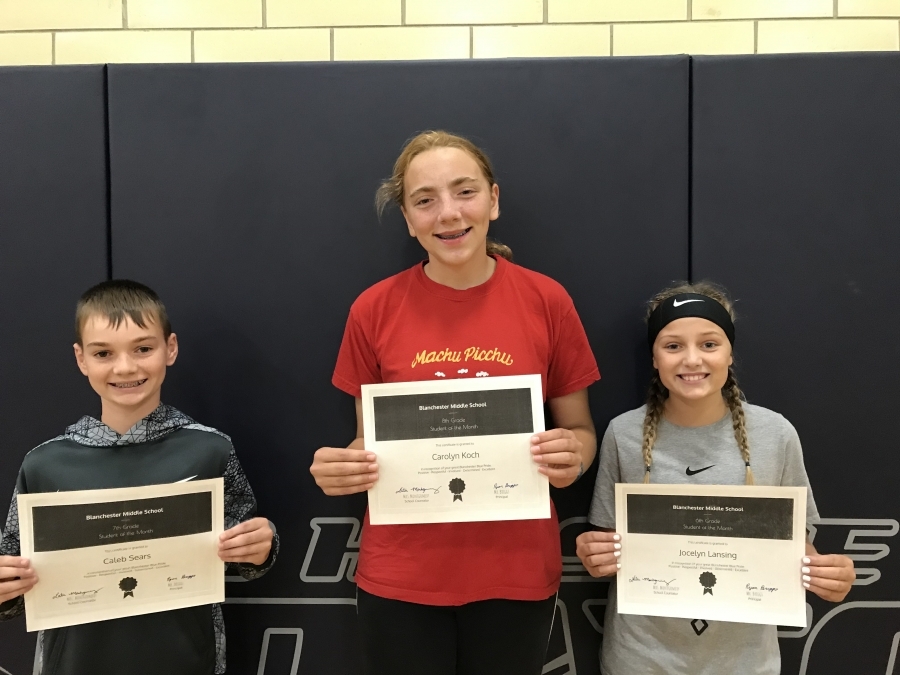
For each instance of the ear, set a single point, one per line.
(79, 358)
(409, 227)
(171, 349)
(495, 201)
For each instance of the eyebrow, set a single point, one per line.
(454, 183)
(142, 338)
(678, 336)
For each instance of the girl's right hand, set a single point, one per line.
(599, 552)
(344, 471)
(17, 577)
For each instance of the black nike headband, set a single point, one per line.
(686, 305)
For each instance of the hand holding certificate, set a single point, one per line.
(106, 554)
(726, 553)
(455, 450)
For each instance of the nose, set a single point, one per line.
(449, 209)
(693, 356)
(124, 365)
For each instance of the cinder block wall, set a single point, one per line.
(129, 31)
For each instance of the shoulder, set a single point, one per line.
(540, 284)
(627, 428)
(768, 424)
(47, 449)
(382, 292)
(759, 416)
(212, 438)
(628, 421)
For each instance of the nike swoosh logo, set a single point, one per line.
(689, 472)
(675, 303)
(185, 480)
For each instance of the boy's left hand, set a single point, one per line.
(247, 542)
(828, 576)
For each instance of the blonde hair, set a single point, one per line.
(391, 189)
(657, 394)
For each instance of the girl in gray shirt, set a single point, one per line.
(695, 428)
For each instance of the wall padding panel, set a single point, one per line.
(244, 193)
(52, 248)
(796, 196)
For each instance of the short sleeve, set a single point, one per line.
(603, 504)
(572, 363)
(356, 362)
(794, 473)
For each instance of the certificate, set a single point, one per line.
(716, 552)
(455, 450)
(107, 554)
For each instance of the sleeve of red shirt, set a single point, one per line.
(356, 362)
(572, 363)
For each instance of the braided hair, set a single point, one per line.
(731, 392)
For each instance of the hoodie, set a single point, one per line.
(165, 447)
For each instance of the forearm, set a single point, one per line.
(588, 438)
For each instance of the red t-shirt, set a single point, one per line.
(409, 328)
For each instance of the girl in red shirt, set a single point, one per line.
(460, 598)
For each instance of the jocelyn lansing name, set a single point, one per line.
(708, 554)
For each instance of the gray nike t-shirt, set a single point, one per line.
(709, 455)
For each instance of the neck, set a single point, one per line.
(120, 419)
(700, 413)
(472, 273)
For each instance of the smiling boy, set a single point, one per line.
(124, 344)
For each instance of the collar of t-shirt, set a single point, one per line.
(448, 293)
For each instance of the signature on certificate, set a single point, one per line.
(651, 580)
(498, 486)
(763, 587)
(420, 490)
(77, 594)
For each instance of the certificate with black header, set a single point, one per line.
(714, 552)
(455, 450)
(107, 554)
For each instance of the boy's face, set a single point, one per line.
(126, 366)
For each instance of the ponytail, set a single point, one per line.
(496, 248)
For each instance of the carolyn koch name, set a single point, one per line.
(453, 456)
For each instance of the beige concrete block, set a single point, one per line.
(868, 7)
(26, 49)
(272, 44)
(726, 37)
(127, 46)
(286, 13)
(761, 9)
(835, 35)
(573, 11)
(194, 13)
(474, 11)
(492, 42)
(387, 44)
(59, 14)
